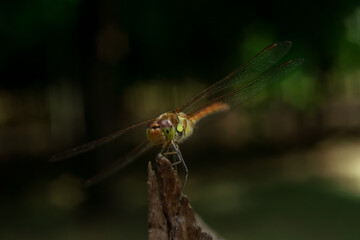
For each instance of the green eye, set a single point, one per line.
(169, 133)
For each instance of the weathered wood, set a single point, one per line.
(170, 213)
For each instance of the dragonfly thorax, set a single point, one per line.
(170, 126)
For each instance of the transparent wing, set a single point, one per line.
(248, 88)
(93, 144)
(250, 70)
(119, 164)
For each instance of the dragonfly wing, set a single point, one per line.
(93, 144)
(251, 69)
(247, 89)
(119, 164)
(252, 87)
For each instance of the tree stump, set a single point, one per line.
(170, 213)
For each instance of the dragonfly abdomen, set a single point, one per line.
(206, 111)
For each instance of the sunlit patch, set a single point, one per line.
(66, 191)
(336, 160)
(341, 162)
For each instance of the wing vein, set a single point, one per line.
(120, 163)
(93, 144)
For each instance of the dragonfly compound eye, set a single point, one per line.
(169, 133)
(167, 128)
(165, 123)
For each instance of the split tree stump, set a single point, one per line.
(170, 213)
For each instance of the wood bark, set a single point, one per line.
(170, 213)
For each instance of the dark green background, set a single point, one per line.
(284, 167)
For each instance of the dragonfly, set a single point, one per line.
(172, 128)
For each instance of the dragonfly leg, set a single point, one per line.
(181, 159)
(170, 153)
(174, 161)
(167, 151)
(173, 149)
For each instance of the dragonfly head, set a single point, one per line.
(160, 132)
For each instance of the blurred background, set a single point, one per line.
(284, 166)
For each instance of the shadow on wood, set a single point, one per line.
(170, 213)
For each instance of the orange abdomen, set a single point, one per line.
(213, 108)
